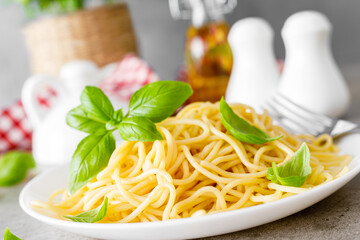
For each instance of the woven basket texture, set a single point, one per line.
(102, 35)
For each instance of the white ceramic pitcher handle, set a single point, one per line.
(29, 100)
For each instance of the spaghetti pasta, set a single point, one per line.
(199, 168)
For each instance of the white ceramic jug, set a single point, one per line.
(311, 77)
(255, 75)
(54, 142)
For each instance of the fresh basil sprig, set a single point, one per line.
(240, 128)
(79, 119)
(158, 100)
(138, 129)
(14, 167)
(91, 216)
(96, 116)
(9, 236)
(295, 171)
(96, 104)
(91, 156)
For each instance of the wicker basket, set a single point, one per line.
(102, 35)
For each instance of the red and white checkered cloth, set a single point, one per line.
(130, 75)
(15, 129)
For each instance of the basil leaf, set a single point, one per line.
(9, 236)
(14, 167)
(96, 104)
(157, 101)
(91, 216)
(91, 156)
(240, 128)
(139, 129)
(79, 119)
(295, 171)
(118, 115)
(117, 118)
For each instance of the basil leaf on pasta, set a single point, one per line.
(14, 167)
(91, 216)
(157, 101)
(139, 129)
(91, 156)
(9, 236)
(96, 104)
(240, 128)
(79, 119)
(152, 103)
(294, 172)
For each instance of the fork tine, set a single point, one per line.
(320, 117)
(296, 118)
(289, 123)
(297, 128)
(301, 116)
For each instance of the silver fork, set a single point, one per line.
(297, 119)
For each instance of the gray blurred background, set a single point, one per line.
(161, 38)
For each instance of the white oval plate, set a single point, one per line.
(43, 185)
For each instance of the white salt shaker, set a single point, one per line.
(255, 75)
(311, 77)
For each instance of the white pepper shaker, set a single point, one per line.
(311, 77)
(255, 75)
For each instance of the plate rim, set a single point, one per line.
(325, 190)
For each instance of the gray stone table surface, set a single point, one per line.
(336, 217)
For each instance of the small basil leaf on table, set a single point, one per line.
(159, 100)
(139, 129)
(294, 172)
(91, 156)
(96, 104)
(14, 167)
(9, 236)
(240, 128)
(91, 216)
(79, 119)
